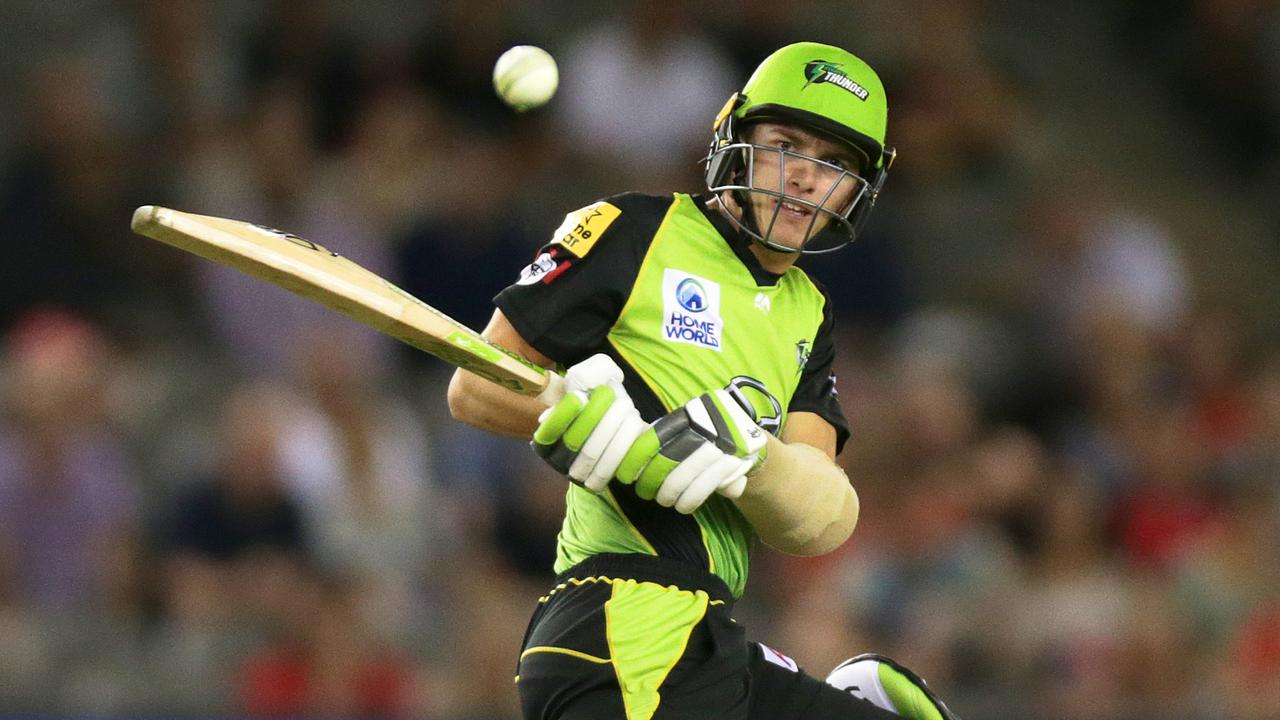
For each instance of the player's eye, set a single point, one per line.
(784, 145)
(838, 162)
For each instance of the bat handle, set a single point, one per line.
(554, 390)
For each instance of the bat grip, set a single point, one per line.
(554, 390)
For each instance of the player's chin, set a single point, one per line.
(787, 238)
(795, 233)
(782, 223)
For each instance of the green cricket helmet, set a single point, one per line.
(823, 89)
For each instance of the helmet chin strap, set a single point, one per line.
(745, 221)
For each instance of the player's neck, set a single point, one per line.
(772, 260)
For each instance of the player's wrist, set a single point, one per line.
(771, 444)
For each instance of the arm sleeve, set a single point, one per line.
(565, 302)
(816, 392)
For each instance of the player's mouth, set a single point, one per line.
(793, 210)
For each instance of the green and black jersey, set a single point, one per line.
(666, 287)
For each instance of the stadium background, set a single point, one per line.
(1059, 348)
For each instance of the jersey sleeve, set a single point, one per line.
(565, 301)
(816, 392)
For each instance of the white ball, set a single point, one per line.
(525, 77)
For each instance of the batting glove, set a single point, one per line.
(708, 445)
(889, 686)
(586, 434)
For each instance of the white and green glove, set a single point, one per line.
(889, 686)
(586, 434)
(706, 446)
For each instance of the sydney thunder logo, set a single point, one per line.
(821, 71)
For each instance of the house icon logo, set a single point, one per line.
(691, 296)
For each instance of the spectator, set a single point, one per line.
(1089, 254)
(264, 171)
(357, 465)
(1068, 634)
(325, 662)
(1252, 675)
(637, 89)
(65, 197)
(1171, 505)
(464, 40)
(1213, 359)
(1231, 569)
(68, 495)
(460, 254)
(300, 44)
(228, 528)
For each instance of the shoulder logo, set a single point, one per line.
(778, 658)
(691, 310)
(823, 71)
(539, 269)
(581, 228)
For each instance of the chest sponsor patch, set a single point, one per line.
(691, 310)
(581, 228)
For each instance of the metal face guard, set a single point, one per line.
(840, 218)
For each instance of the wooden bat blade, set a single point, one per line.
(308, 269)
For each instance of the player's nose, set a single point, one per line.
(800, 174)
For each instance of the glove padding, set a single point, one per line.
(889, 686)
(586, 434)
(708, 445)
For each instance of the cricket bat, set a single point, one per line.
(308, 269)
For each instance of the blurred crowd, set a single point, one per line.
(1058, 349)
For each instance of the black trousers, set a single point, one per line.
(637, 637)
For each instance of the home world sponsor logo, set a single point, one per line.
(691, 310)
